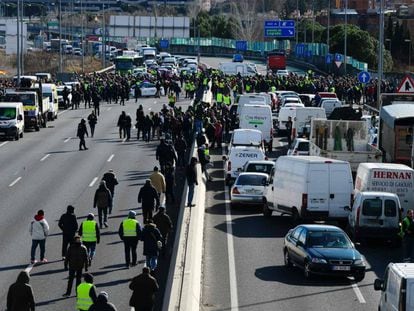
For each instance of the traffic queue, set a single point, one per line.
(334, 174)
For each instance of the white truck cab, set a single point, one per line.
(397, 287)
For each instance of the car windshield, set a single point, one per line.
(8, 113)
(260, 168)
(327, 239)
(251, 180)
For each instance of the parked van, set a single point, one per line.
(375, 215)
(237, 157)
(243, 69)
(387, 177)
(310, 187)
(50, 90)
(397, 287)
(11, 120)
(246, 137)
(250, 99)
(258, 117)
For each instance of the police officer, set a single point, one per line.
(129, 232)
(89, 231)
(86, 293)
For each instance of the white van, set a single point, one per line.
(387, 177)
(243, 69)
(50, 90)
(237, 157)
(301, 121)
(246, 137)
(375, 215)
(329, 105)
(397, 287)
(283, 116)
(258, 117)
(11, 120)
(309, 187)
(250, 99)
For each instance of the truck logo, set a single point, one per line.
(393, 175)
(246, 155)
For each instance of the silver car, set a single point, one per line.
(248, 189)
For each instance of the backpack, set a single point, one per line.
(101, 198)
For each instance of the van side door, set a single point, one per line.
(340, 190)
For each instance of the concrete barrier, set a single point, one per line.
(183, 288)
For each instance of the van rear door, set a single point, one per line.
(340, 189)
(410, 294)
(379, 211)
(318, 188)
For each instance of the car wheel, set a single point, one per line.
(359, 277)
(17, 136)
(306, 271)
(267, 212)
(21, 134)
(37, 128)
(287, 261)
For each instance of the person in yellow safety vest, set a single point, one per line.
(219, 98)
(86, 293)
(273, 88)
(227, 99)
(130, 233)
(171, 100)
(89, 231)
(248, 87)
(407, 235)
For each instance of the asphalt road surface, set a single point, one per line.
(45, 170)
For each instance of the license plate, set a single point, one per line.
(250, 191)
(341, 268)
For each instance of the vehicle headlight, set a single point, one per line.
(319, 260)
(359, 262)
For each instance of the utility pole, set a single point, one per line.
(103, 35)
(329, 24)
(346, 31)
(297, 21)
(82, 38)
(18, 43)
(22, 42)
(60, 37)
(380, 52)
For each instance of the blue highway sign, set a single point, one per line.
(164, 43)
(364, 77)
(241, 45)
(328, 58)
(279, 28)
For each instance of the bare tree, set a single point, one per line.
(247, 25)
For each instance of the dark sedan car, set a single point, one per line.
(323, 250)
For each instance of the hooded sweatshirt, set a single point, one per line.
(102, 304)
(39, 228)
(20, 295)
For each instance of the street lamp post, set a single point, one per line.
(346, 33)
(60, 37)
(329, 24)
(380, 52)
(409, 53)
(297, 21)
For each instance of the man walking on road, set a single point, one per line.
(69, 225)
(122, 125)
(151, 237)
(92, 120)
(407, 234)
(164, 225)
(90, 234)
(39, 230)
(130, 233)
(191, 175)
(158, 182)
(82, 131)
(76, 260)
(20, 295)
(144, 287)
(86, 293)
(149, 197)
(103, 201)
(111, 181)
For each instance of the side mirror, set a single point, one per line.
(347, 208)
(19, 117)
(379, 284)
(224, 158)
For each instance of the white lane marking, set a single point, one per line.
(67, 139)
(29, 268)
(358, 293)
(45, 157)
(15, 181)
(93, 182)
(107, 109)
(2, 144)
(230, 246)
(110, 158)
(62, 112)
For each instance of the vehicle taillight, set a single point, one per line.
(304, 200)
(229, 166)
(235, 191)
(357, 216)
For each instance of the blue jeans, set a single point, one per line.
(42, 245)
(198, 124)
(151, 262)
(190, 194)
(91, 247)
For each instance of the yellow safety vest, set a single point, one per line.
(219, 97)
(89, 231)
(226, 99)
(130, 227)
(83, 300)
(207, 152)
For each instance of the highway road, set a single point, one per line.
(45, 170)
(243, 265)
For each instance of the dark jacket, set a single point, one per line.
(103, 197)
(121, 231)
(102, 304)
(76, 257)
(20, 295)
(191, 174)
(110, 180)
(150, 235)
(82, 130)
(92, 119)
(68, 224)
(144, 286)
(148, 196)
(163, 223)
